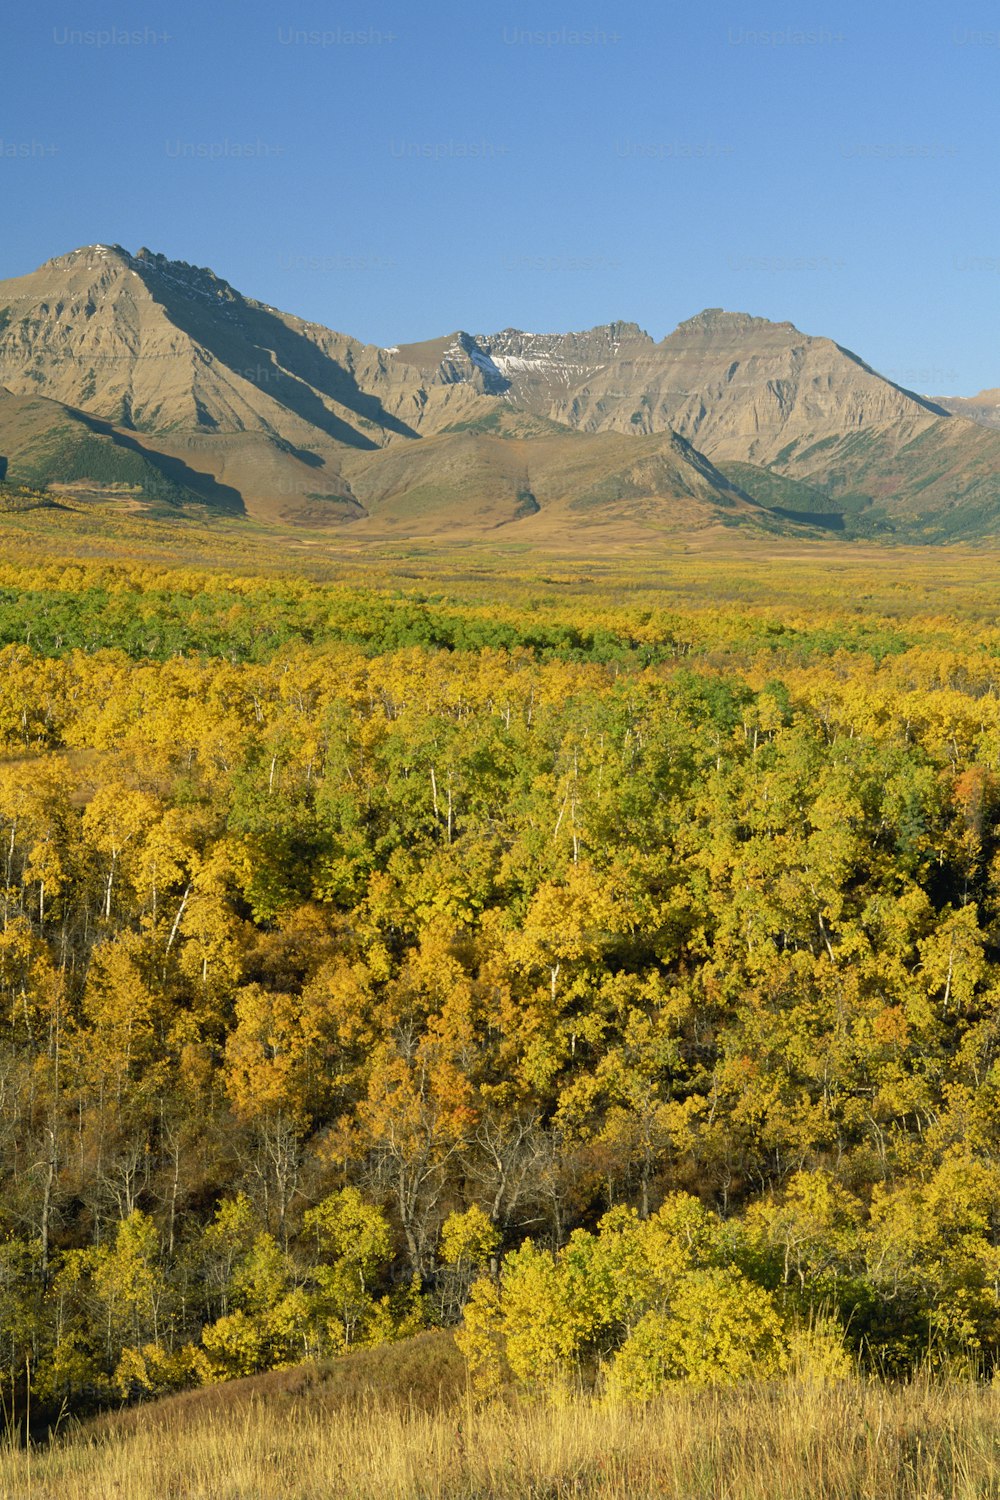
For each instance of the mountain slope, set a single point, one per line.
(773, 401)
(156, 345)
(984, 408)
(737, 385)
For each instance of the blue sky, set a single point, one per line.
(397, 171)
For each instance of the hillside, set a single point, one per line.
(285, 1436)
(552, 482)
(43, 442)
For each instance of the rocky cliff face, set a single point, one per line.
(737, 386)
(541, 369)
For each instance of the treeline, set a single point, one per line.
(657, 1006)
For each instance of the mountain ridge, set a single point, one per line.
(197, 380)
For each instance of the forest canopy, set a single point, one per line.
(613, 971)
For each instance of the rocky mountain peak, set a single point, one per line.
(104, 263)
(713, 320)
(193, 281)
(542, 367)
(88, 255)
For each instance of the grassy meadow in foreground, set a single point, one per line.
(855, 1441)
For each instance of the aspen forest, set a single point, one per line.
(606, 967)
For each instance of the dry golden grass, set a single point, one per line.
(857, 1441)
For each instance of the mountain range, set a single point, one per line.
(156, 381)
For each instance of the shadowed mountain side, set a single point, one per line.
(788, 498)
(44, 442)
(288, 369)
(454, 359)
(200, 483)
(278, 482)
